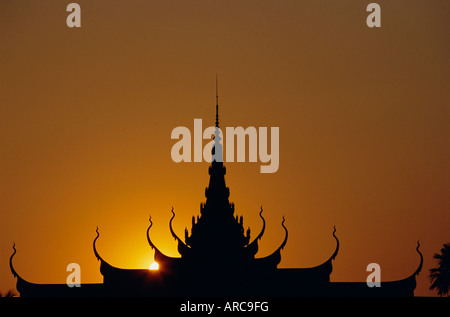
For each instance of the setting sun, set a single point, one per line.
(154, 266)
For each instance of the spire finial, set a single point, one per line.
(217, 101)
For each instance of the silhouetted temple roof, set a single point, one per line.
(218, 259)
(399, 288)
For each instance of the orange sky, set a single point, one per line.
(86, 116)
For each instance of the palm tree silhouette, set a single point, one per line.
(440, 276)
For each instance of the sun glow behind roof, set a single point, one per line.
(154, 266)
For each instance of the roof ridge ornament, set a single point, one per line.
(421, 259)
(253, 246)
(337, 244)
(97, 255)
(10, 261)
(182, 248)
(286, 234)
(160, 257)
(217, 101)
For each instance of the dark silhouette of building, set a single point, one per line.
(218, 259)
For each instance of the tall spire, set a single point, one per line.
(217, 101)
(217, 154)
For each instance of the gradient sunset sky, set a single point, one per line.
(86, 116)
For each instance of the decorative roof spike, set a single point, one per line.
(421, 259)
(217, 101)
(14, 273)
(160, 258)
(182, 248)
(97, 255)
(337, 244)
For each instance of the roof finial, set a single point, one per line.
(217, 101)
